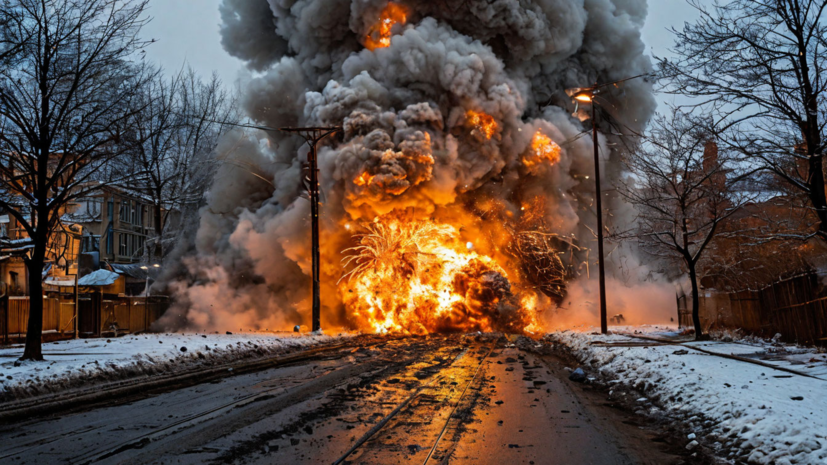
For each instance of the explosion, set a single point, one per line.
(379, 35)
(416, 277)
(466, 212)
(543, 149)
(482, 122)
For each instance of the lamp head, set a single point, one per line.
(584, 96)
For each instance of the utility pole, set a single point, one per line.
(312, 136)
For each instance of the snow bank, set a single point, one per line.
(743, 411)
(86, 361)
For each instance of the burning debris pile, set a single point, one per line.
(413, 276)
(456, 126)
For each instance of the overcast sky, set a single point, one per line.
(187, 30)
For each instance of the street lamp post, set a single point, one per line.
(588, 95)
(146, 268)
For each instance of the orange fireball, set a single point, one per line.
(379, 35)
(543, 149)
(482, 122)
(417, 277)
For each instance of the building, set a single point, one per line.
(112, 225)
(117, 223)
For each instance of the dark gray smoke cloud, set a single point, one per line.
(404, 112)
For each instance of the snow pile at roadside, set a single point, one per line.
(88, 361)
(743, 411)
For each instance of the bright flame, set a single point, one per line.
(363, 180)
(583, 97)
(379, 35)
(543, 149)
(417, 277)
(483, 122)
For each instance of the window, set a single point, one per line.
(91, 244)
(125, 211)
(110, 240)
(123, 246)
(135, 213)
(110, 209)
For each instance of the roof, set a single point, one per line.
(135, 270)
(99, 278)
(60, 281)
(15, 247)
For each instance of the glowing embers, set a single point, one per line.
(379, 35)
(484, 123)
(416, 277)
(543, 150)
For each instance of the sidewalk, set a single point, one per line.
(741, 411)
(82, 362)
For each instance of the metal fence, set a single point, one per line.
(795, 308)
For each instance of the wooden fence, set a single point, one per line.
(118, 315)
(796, 308)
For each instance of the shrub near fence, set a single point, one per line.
(793, 308)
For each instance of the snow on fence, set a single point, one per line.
(796, 308)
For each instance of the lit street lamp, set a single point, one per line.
(146, 268)
(588, 95)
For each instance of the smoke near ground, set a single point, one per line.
(412, 145)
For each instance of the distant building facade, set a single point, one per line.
(111, 225)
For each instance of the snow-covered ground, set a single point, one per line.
(85, 361)
(744, 412)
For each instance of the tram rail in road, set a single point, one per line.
(439, 399)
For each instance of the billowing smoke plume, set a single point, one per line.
(442, 120)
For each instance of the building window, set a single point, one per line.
(110, 240)
(125, 211)
(123, 246)
(91, 244)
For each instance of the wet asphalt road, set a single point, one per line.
(433, 400)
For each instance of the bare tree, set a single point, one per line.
(171, 139)
(683, 189)
(64, 98)
(759, 65)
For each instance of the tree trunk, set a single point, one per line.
(34, 329)
(696, 304)
(817, 194)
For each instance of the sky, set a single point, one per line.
(187, 32)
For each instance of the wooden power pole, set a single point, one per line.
(312, 136)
